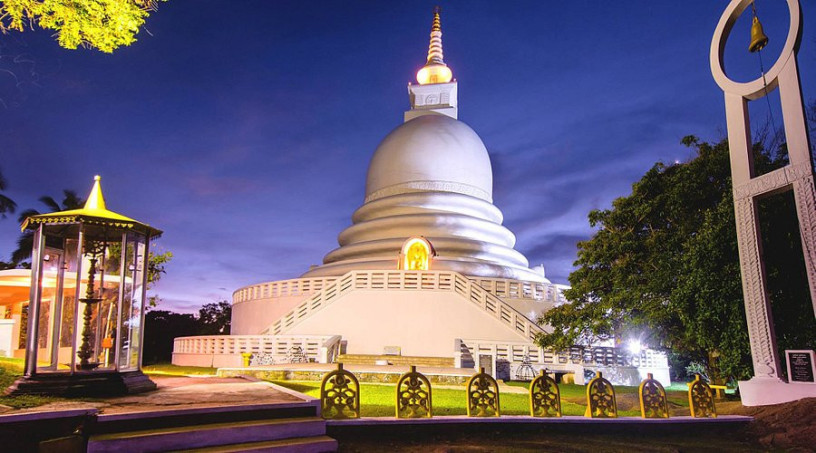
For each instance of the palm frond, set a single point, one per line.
(52, 204)
(26, 214)
(6, 205)
(72, 200)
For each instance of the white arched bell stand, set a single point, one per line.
(767, 386)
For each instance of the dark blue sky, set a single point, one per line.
(244, 129)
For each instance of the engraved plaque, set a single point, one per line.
(801, 368)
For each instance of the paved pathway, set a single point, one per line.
(177, 393)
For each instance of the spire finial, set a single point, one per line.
(435, 70)
(435, 47)
(95, 199)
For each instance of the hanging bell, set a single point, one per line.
(758, 38)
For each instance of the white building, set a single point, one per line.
(458, 291)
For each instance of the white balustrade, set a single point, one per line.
(282, 288)
(409, 280)
(226, 350)
(503, 288)
(589, 356)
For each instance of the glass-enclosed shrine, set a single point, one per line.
(85, 318)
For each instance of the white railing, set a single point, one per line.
(469, 351)
(228, 348)
(503, 288)
(409, 280)
(282, 288)
(515, 289)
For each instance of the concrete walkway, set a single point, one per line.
(180, 392)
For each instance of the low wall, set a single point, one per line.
(618, 365)
(6, 335)
(317, 375)
(207, 360)
(227, 350)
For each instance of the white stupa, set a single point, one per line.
(430, 177)
(426, 271)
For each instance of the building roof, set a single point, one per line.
(94, 212)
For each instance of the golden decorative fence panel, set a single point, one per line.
(545, 398)
(701, 399)
(483, 396)
(653, 401)
(414, 395)
(601, 398)
(340, 395)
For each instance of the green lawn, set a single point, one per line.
(10, 370)
(167, 369)
(377, 400)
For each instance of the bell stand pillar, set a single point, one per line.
(32, 340)
(767, 386)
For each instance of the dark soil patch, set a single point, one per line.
(790, 426)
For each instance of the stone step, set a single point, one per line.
(208, 435)
(316, 444)
(372, 359)
(142, 421)
(98, 383)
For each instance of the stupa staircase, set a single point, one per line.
(295, 427)
(400, 360)
(409, 280)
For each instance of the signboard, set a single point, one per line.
(801, 366)
(392, 350)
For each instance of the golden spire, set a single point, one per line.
(95, 199)
(435, 69)
(435, 48)
(94, 212)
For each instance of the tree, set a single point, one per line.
(101, 24)
(214, 318)
(25, 243)
(663, 266)
(6, 204)
(161, 327)
(155, 270)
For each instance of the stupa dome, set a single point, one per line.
(430, 177)
(430, 153)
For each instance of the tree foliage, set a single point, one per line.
(663, 266)
(101, 24)
(214, 318)
(25, 243)
(6, 204)
(161, 327)
(155, 270)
